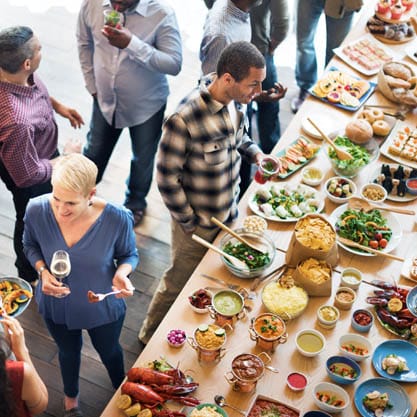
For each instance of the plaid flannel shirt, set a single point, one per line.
(199, 159)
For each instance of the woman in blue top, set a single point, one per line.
(100, 241)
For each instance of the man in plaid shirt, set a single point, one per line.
(198, 165)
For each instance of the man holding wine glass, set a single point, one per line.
(79, 243)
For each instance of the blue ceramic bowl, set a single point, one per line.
(359, 321)
(316, 413)
(341, 361)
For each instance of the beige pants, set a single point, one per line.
(186, 254)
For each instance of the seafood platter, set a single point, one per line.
(342, 89)
(365, 55)
(15, 295)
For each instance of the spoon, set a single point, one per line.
(236, 262)
(353, 244)
(233, 287)
(220, 401)
(341, 154)
(358, 203)
(256, 246)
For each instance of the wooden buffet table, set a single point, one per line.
(286, 358)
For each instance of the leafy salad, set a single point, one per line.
(367, 228)
(252, 258)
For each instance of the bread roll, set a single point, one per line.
(381, 128)
(359, 131)
(397, 70)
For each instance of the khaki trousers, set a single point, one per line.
(186, 254)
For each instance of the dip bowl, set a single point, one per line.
(330, 397)
(227, 307)
(339, 189)
(362, 320)
(411, 185)
(310, 342)
(327, 316)
(250, 255)
(351, 277)
(297, 381)
(268, 331)
(343, 370)
(355, 346)
(373, 193)
(344, 298)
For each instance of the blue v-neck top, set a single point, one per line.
(109, 242)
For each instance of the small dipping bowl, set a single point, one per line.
(344, 298)
(310, 342)
(373, 193)
(327, 316)
(339, 189)
(343, 370)
(351, 278)
(312, 176)
(355, 346)
(411, 184)
(297, 381)
(315, 413)
(199, 300)
(176, 338)
(362, 320)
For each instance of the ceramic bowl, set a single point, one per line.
(355, 346)
(312, 176)
(215, 407)
(327, 316)
(316, 413)
(310, 342)
(339, 190)
(344, 298)
(411, 184)
(297, 381)
(373, 193)
(362, 320)
(200, 297)
(259, 237)
(176, 338)
(343, 370)
(326, 390)
(351, 277)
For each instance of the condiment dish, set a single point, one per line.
(199, 300)
(176, 338)
(330, 397)
(351, 277)
(327, 316)
(411, 184)
(362, 320)
(339, 189)
(316, 413)
(312, 176)
(373, 193)
(355, 346)
(344, 298)
(297, 381)
(343, 370)
(310, 342)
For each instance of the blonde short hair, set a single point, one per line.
(75, 172)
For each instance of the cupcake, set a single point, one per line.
(383, 6)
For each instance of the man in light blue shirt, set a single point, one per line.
(125, 71)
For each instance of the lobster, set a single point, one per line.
(149, 376)
(141, 393)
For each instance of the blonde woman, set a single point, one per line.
(99, 238)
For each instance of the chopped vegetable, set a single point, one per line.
(251, 257)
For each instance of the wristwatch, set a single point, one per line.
(40, 270)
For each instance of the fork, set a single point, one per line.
(234, 287)
(100, 297)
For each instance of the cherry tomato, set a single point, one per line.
(378, 236)
(373, 244)
(383, 243)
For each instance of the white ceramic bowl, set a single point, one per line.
(333, 391)
(339, 189)
(351, 277)
(199, 294)
(362, 346)
(310, 342)
(344, 298)
(373, 193)
(312, 176)
(327, 316)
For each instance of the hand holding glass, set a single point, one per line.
(60, 269)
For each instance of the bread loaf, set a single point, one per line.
(359, 131)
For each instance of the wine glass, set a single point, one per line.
(60, 269)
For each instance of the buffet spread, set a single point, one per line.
(323, 318)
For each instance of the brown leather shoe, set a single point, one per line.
(296, 102)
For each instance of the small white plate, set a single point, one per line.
(327, 123)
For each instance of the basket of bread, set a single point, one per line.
(398, 83)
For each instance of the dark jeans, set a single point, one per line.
(268, 122)
(101, 140)
(105, 340)
(21, 197)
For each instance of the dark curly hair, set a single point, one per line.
(6, 398)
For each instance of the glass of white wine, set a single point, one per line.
(60, 269)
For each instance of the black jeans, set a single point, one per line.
(21, 197)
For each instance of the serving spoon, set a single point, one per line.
(221, 402)
(341, 154)
(232, 259)
(256, 246)
(359, 203)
